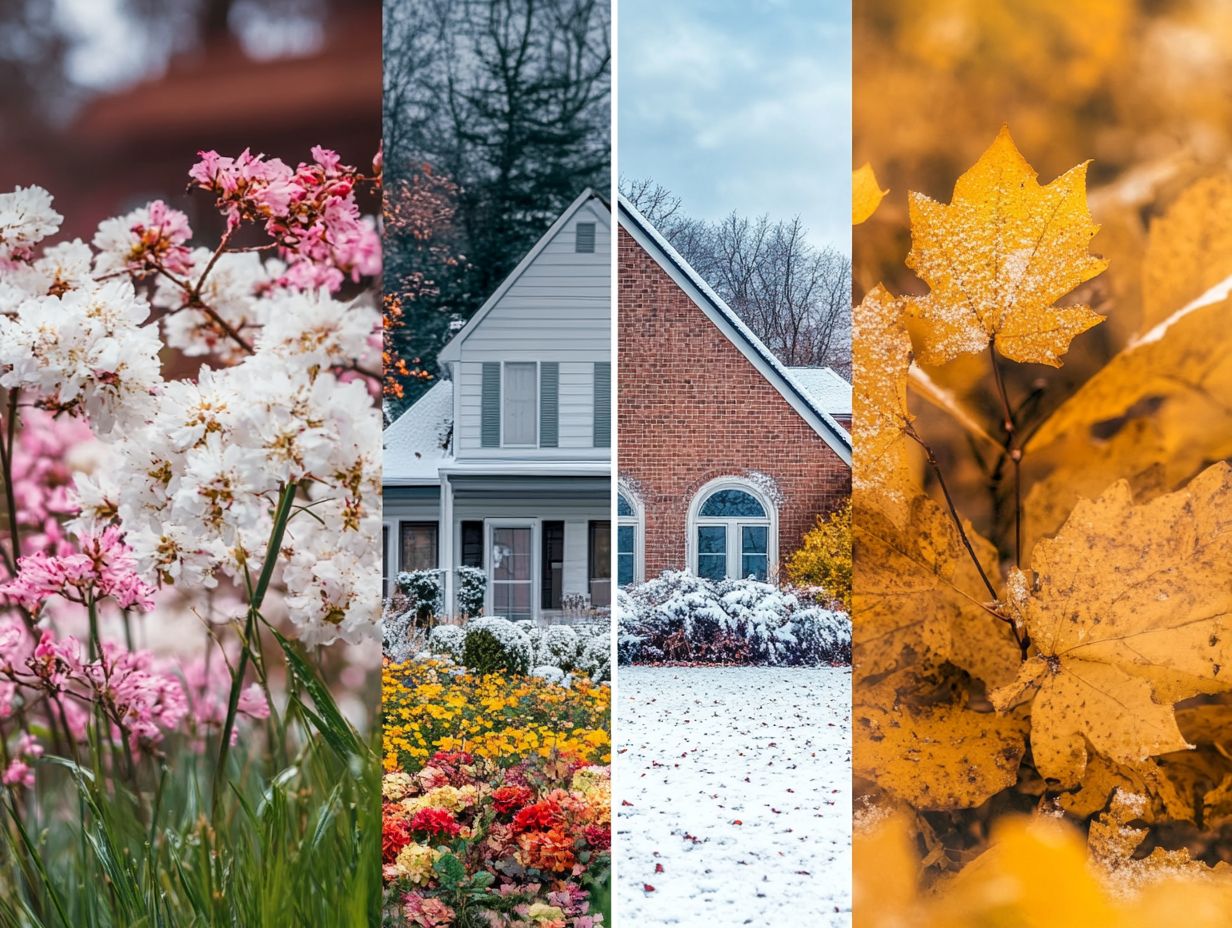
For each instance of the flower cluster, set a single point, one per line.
(141, 697)
(310, 212)
(524, 836)
(139, 489)
(104, 567)
(431, 706)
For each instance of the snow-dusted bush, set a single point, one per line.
(550, 673)
(679, 616)
(447, 641)
(496, 646)
(560, 646)
(472, 589)
(595, 659)
(425, 591)
(400, 640)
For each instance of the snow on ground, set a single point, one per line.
(734, 796)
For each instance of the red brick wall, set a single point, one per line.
(692, 408)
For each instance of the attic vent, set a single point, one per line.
(585, 238)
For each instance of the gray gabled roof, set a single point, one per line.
(731, 325)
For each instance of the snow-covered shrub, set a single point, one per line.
(399, 638)
(679, 616)
(550, 673)
(425, 590)
(447, 641)
(496, 646)
(560, 646)
(472, 590)
(595, 659)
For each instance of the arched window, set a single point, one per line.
(733, 531)
(628, 539)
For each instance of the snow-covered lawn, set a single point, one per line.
(734, 796)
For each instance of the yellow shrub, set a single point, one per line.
(824, 559)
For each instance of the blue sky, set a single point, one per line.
(740, 105)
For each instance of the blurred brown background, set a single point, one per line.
(106, 102)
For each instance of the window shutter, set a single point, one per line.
(584, 238)
(549, 404)
(490, 406)
(603, 404)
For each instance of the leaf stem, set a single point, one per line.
(1014, 453)
(911, 433)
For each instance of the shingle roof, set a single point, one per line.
(419, 441)
(826, 386)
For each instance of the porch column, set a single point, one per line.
(447, 545)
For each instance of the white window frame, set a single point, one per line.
(733, 524)
(536, 556)
(638, 521)
(505, 399)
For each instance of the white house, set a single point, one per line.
(506, 464)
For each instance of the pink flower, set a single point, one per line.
(310, 213)
(105, 567)
(19, 773)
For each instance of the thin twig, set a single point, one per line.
(945, 490)
(1012, 452)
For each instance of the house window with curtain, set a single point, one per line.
(731, 528)
(417, 546)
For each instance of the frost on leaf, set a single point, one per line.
(866, 194)
(881, 355)
(998, 257)
(939, 757)
(1130, 611)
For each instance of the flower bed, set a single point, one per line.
(497, 798)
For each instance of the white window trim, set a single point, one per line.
(536, 567)
(505, 395)
(638, 521)
(733, 523)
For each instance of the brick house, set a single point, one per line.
(725, 456)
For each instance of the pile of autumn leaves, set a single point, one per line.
(1079, 667)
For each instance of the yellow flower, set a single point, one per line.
(415, 862)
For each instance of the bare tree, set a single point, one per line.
(794, 296)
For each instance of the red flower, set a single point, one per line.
(507, 798)
(599, 836)
(543, 814)
(435, 822)
(394, 837)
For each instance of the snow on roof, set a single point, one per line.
(419, 441)
(729, 315)
(826, 386)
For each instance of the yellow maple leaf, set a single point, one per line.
(1189, 249)
(938, 757)
(918, 600)
(1129, 611)
(998, 257)
(880, 357)
(866, 194)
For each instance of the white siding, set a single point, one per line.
(558, 309)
